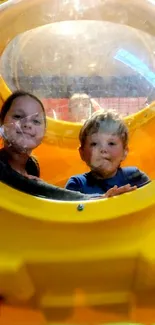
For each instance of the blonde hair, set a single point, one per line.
(107, 122)
(80, 96)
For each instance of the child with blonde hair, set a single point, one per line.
(103, 146)
(80, 107)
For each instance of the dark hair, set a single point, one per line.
(19, 93)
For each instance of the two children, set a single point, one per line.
(103, 146)
(103, 138)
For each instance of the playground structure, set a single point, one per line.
(58, 264)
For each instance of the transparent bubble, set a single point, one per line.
(98, 48)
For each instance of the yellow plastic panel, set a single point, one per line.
(62, 259)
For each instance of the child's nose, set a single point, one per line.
(103, 147)
(27, 124)
(81, 108)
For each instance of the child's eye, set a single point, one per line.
(111, 143)
(93, 144)
(36, 122)
(17, 116)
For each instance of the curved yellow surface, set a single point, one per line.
(59, 259)
(68, 266)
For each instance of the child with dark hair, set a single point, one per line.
(23, 124)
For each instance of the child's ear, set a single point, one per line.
(81, 153)
(126, 150)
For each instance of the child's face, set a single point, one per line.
(24, 124)
(80, 108)
(103, 152)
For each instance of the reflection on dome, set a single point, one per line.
(81, 57)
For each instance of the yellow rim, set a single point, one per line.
(21, 204)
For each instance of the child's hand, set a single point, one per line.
(119, 190)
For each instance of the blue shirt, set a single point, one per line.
(88, 184)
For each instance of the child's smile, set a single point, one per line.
(24, 124)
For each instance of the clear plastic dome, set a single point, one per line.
(100, 63)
